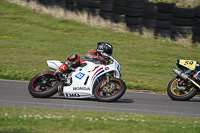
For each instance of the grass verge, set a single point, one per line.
(28, 39)
(51, 120)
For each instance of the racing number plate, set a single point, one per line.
(191, 64)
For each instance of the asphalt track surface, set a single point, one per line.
(15, 94)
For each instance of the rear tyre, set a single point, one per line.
(180, 95)
(43, 85)
(110, 92)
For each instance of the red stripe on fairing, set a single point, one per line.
(97, 71)
(40, 76)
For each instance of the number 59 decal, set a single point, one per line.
(188, 63)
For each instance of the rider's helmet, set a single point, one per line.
(104, 47)
(73, 60)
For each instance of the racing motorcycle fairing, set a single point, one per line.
(84, 78)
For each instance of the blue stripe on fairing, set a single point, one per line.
(119, 70)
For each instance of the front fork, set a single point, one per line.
(108, 78)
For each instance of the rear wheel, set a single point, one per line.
(107, 92)
(180, 92)
(43, 85)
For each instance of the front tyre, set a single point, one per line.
(108, 92)
(43, 85)
(175, 92)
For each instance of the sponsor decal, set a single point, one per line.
(72, 95)
(106, 68)
(81, 88)
(63, 67)
(80, 75)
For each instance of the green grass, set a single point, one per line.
(52, 120)
(28, 39)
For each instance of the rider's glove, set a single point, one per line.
(102, 60)
(61, 70)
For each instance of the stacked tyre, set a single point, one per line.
(81, 6)
(60, 3)
(196, 27)
(118, 11)
(93, 7)
(43, 2)
(133, 14)
(148, 20)
(47, 2)
(106, 9)
(70, 5)
(182, 22)
(52, 2)
(163, 20)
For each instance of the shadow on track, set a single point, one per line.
(93, 99)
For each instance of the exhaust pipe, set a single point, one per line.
(185, 76)
(181, 74)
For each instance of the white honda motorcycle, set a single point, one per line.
(86, 80)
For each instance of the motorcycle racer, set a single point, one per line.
(92, 55)
(88, 79)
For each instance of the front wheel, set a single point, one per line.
(179, 92)
(43, 85)
(108, 92)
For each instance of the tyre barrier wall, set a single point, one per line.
(133, 14)
(106, 9)
(164, 19)
(70, 5)
(196, 26)
(93, 7)
(118, 11)
(81, 6)
(182, 22)
(148, 20)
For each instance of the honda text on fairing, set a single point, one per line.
(187, 82)
(84, 81)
